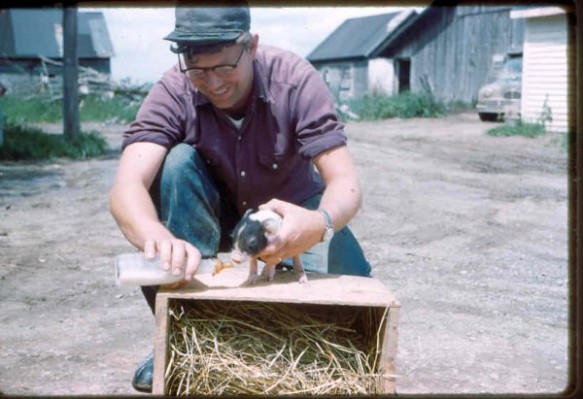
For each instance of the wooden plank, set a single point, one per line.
(160, 345)
(387, 362)
(326, 289)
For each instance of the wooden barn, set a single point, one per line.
(548, 78)
(447, 49)
(346, 58)
(31, 47)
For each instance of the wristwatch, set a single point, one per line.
(329, 232)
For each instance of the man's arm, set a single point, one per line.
(303, 228)
(132, 208)
(342, 197)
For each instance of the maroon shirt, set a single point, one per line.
(290, 120)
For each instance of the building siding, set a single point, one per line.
(360, 79)
(546, 74)
(339, 78)
(356, 79)
(31, 48)
(451, 48)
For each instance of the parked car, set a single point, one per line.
(501, 97)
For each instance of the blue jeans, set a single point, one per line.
(192, 205)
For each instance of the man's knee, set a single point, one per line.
(180, 158)
(345, 255)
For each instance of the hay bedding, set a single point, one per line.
(228, 347)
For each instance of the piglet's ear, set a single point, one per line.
(271, 225)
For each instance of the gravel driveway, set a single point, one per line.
(469, 231)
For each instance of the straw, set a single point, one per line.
(227, 347)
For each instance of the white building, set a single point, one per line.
(548, 74)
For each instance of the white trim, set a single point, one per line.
(536, 12)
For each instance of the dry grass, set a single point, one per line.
(227, 347)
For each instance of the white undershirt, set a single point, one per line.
(237, 122)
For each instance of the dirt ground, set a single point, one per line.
(469, 231)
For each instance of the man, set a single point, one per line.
(235, 126)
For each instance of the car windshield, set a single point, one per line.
(509, 69)
(512, 69)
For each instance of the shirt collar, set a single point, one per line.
(260, 82)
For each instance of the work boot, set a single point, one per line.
(143, 376)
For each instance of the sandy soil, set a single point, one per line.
(469, 231)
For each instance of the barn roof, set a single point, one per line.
(358, 38)
(32, 32)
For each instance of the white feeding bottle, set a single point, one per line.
(133, 269)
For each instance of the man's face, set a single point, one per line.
(229, 92)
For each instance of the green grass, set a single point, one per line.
(22, 111)
(460, 106)
(94, 108)
(564, 141)
(26, 143)
(22, 142)
(404, 105)
(519, 129)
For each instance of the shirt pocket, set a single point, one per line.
(270, 161)
(211, 158)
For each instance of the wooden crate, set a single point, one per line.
(321, 290)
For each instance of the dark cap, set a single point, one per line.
(208, 25)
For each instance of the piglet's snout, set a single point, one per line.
(252, 245)
(238, 256)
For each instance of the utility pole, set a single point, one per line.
(70, 73)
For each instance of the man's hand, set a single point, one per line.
(300, 230)
(132, 207)
(177, 255)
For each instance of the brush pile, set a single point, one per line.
(229, 347)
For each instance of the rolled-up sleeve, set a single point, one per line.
(161, 117)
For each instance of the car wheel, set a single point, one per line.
(488, 116)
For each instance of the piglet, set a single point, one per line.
(251, 236)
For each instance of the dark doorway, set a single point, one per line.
(403, 71)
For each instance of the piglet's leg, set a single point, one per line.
(268, 272)
(299, 270)
(252, 278)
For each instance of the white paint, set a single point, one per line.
(545, 71)
(381, 76)
(396, 21)
(536, 12)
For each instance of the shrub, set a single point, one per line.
(520, 128)
(22, 111)
(404, 105)
(27, 143)
(96, 108)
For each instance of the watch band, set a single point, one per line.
(329, 232)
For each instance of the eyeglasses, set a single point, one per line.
(222, 70)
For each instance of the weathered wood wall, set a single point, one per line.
(451, 48)
(356, 79)
(33, 76)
